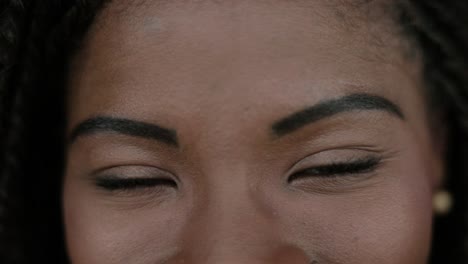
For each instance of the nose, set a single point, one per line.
(238, 246)
(232, 227)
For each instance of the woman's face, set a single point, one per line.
(247, 132)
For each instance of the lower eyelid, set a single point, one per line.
(136, 199)
(153, 192)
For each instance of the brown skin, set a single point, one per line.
(221, 74)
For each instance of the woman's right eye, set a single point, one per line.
(127, 179)
(116, 183)
(132, 191)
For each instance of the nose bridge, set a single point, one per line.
(238, 238)
(227, 217)
(227, 227)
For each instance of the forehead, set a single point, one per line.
(202, 56)
(125, 25)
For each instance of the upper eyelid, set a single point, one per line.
(112, 171)
(352, 160)
(107, 169)
(299, 174)
(353, 153)
(371, 161)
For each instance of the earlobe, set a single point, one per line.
(442, 202)
(442, 199)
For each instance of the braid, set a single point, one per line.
(13, 23)
(37, 39)
(439, 31)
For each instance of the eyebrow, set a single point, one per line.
(104, 124)
(326, 109)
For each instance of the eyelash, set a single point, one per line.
(116, 183)
(339, 169)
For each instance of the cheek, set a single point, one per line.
(105, 231)
(389, 222)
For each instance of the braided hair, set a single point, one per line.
(438, 30)
(34, 36)
(37, 41)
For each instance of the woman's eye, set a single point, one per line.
(134, 179)
(115, 183)
(338, 169)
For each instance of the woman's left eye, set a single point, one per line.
(338, 169)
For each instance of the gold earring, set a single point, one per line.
(442, 202)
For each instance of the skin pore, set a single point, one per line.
(247, 132)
